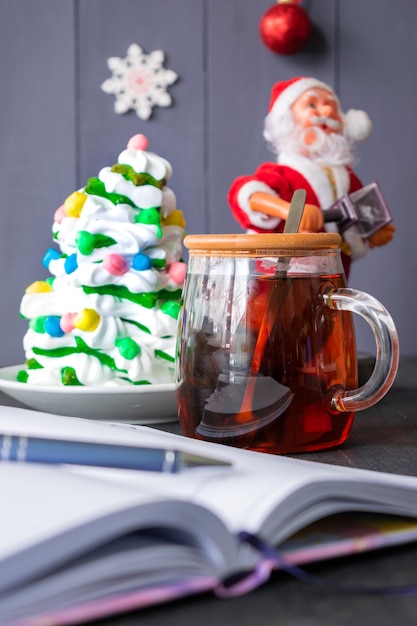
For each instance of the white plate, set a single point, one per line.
(147, 404)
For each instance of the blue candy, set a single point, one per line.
(52, 326)
(71, 263)
(50, 255)
(141, 262)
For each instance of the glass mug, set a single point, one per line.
(266, 354)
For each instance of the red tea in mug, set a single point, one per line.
(280, 403)
(266, 346)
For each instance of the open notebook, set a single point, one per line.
(78, 543)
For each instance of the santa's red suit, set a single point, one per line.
(323, 185)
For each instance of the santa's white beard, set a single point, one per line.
(327, 149)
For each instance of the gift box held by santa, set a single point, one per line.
(314, 142)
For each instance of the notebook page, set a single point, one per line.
(248, 495)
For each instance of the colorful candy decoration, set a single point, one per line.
(171, 308)
(71, 263)
(22, 376)
(50, 255)
(141, 262)
(177, 271)
(86, 242)
(69, 377)
(152, 217)
(87, 319)
(53, 326)
(73, 205)
(60, 214)
(37, 324)
(176, 218)
(39, 286)
(67, 322)
(115, 264)
(138, 142)
(128, 348)
(108, 311)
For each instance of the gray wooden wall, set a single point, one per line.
(57, 127)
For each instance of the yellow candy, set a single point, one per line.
(176, 218)
(39, 286)
(87, 319)
(73, 205)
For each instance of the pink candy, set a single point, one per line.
(138, 142)
(177, 272)
(59, 214)
(115, 264)
(67, 322)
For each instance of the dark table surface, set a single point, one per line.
(383, 438)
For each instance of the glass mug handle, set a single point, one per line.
(387, 348)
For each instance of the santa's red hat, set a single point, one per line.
(356, 124)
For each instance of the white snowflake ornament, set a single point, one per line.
(139, 81)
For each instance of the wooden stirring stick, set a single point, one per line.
(295, 213)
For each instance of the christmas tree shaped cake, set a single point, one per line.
(108, 312)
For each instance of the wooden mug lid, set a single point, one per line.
(261, 244)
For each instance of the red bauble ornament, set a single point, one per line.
(285, 27)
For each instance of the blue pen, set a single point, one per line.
(59, 451)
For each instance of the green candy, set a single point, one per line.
(171, 308)
(86, 242)
(150, 216)
(69, 377)
(147, 300)
(38, 324)
(128, 348)
(22, 376)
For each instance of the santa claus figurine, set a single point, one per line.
(314, 144)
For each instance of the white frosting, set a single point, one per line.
(101, 208)
(117, 318)
(145, 196)
(148, 162)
